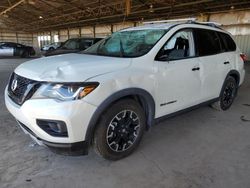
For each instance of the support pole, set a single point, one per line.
(127, 7)
(112, 28)
(94, 30)
(16, 37)
(80, 32)
(51, 39)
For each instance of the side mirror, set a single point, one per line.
(165, 48)
(162, 55)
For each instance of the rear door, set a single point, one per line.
(214, 64)
(228, 49)
(19, 49)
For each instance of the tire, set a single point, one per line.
(119, 130)
(25, 54)
(228, 94)
(51, 49)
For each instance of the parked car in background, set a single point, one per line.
(52, 46)
(11, 49)
(73, 45)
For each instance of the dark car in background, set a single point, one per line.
(11, 49)
(73, 45)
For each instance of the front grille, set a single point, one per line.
(21, 89)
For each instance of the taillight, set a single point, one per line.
(243, 57)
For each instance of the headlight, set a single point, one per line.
(65, 91)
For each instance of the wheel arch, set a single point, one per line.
(233, 73)
(143, 97)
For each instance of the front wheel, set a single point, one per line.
(119, 130)
(228, 94)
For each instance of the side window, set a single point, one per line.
(223, 42)
(6, 45)
(227, 42)
(72, 44)
(179, 46)
(12, 45)
(230, 43)
(85, 44)
(207, 42)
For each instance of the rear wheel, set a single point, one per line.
(228, 94)
(25, 54)
(51, 49)
(120, 130)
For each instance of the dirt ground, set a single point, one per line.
(203, 148)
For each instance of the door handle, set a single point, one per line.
(196, 69)
(227, 62)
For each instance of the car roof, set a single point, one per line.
(87, 38)
(164, 26)
(11, 43)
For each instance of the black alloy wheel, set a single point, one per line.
(123, 130)
(120, 129)
(229, 93)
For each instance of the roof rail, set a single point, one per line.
(187, 20)
(169, 21)
(211, 24)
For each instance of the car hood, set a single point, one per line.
(70, 67)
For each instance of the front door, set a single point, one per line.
(179, 83)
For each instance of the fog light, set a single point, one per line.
(53, 127)
(57, 127)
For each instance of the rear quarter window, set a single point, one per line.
(207, 42)
(227, 42)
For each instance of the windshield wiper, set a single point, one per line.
(121, 49)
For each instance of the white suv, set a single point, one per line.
(107, 95)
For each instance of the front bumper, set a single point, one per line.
(77, 148)
(75, 114)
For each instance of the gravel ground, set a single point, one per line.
(203, 148)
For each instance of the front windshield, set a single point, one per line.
(71, 44)
(131, 43)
